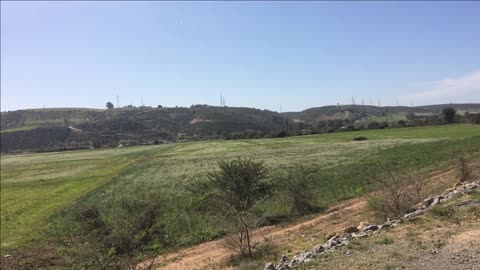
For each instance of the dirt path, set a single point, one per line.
(212, 255)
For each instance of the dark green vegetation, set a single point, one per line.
(44, 194)
(231, 194)
(41, 130)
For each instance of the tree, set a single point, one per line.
(411, 116)
(373, 125)
(398, 191)
(110, 105)
(449, 114)
(233, 192)
(464, 170)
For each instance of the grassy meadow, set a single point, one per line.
(36, 186)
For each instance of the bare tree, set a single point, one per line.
(398, 191)
(464, 170)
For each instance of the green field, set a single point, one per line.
(35, 186)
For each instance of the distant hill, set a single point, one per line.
(74, 128)
(317, 114)
(80, 128)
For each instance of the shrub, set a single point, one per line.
(449, 114)
(464, 170)
(385, 241)
(298, 187)
(233, 192)
(398, 192)
(442, 211)
(120, 237)
(360, 138)
(373, 125)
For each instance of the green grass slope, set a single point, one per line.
(34, 186)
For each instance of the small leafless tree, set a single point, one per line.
(398, 192)
(464, 170)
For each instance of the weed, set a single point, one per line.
(385, 241)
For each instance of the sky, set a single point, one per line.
(286, 56)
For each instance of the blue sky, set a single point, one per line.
(257, 54)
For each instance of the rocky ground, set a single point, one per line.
(455, 205)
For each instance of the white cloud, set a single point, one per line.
(447, 89)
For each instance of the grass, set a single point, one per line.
(34, 186)
(27, 127)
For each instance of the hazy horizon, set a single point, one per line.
(267, 55)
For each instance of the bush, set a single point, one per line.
(442, 211)
(385, 241)
(464, 170)
(232, 193)
(449, 114)
(360, 138)
(120, 237)
(373, 125)
(398, 192)
(298, 186)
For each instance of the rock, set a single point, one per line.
(414, 214)
(284, 259)
(391, 223)
(350, 229)
(343, 242)
(472, 186)
(318, 249)
(361, 225)
(459, 183)
(371, 228)
(428, 202)
(309, 255)
(269, 266)
(437, 200)
(299, 258)
(359, 235)
(332, 242)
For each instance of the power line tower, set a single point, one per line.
(379, 105)
(118, 102)
(353, 100)
(222, 101)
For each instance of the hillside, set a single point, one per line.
(59, 129)
(82, 128)
(314, 115)
(51, 194)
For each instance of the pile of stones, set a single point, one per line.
(449, 194)
(364, 230)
